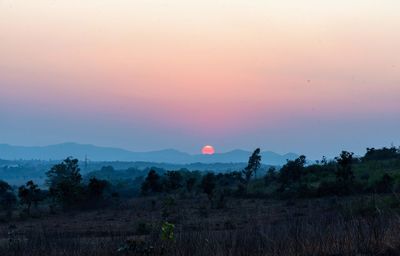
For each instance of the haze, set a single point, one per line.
(311, 77)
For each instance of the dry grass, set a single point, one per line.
(244, 227)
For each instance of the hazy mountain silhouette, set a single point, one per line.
(96, 153)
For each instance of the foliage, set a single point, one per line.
(381, 154)
(384, 185)
(97, 187)
(173, 181)
(8, 200)
(29, 194)
(253, 165)
(167, 232)
(4, 187)
(190, 184)
(271, 175)
(208, 184)
(152, 183)
(344, 173)
(95, 191)
(64, 181)
(292, 171)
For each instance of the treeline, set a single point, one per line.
(378, 171)
(66, 190)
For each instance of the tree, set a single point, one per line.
(324, 161)
(292, 171)
(190, 183)
(96, 188)
(173, 181)
(208, 184)
(4, 187)
(253, 165)
(152, 183)
(381, 154)
(8, 200)
(64, 181)
(344, 173)
(29, 194)
(271, 175)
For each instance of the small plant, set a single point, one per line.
(167, 232)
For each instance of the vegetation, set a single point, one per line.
(253, 165)
(64, 182)
(7, 198)
(29, 194)
(208, 184)
(346, 206)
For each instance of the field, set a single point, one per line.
(363, 225)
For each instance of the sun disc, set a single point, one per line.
(208, 150)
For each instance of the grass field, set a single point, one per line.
(364, 225)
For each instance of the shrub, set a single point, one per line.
(384, 185)
(167, 232)
(64, 180)
(8, 200)
(29, 194)
(152, 183)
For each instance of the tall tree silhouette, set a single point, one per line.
(152, 183)
(344, 173)
(253, 165)
(64, 180)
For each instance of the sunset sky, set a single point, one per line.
(303, 76)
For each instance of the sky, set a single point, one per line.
(312, 77)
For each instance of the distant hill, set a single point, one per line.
(96, 153)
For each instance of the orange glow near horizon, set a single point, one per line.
(208, 150)
(178, 65)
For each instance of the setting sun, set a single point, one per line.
(208, 150)
(112, 112)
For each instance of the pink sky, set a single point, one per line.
(235, 74)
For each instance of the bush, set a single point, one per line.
(384, 185)
(29, 194)
(152, 183)
(8, 200)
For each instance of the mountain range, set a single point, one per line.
(96, 153)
